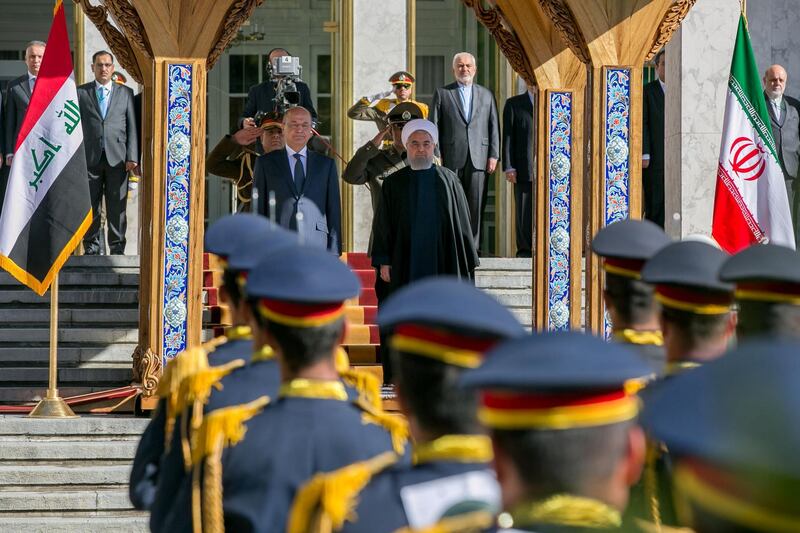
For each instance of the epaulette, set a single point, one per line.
(385, 105)
(221, 428)
(178, 369)
(330, 498)
(216, 342)
(473, 522)
(394, 424)
(365, 383)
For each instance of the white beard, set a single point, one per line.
(420, 163)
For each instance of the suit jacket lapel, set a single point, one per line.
(454, 94)
(286, 170)
(92, 90)
(26, 89)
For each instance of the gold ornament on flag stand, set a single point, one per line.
(52, 405)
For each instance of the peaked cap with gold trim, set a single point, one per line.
(626, 245)
(685, 275)
(765, 273)
(553, 381)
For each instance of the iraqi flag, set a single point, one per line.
(750, 204)
(47, 208)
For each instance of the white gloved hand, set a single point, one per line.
(376, 97)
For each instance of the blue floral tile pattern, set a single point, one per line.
(560, 166)
(176, 235)
(617, 141)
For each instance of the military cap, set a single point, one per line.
(558, 380)
(119, 77)
(766, 273)
(626, 245)
(302, 286)
(271, 120)
(223, 235)
(685, 275)
(256, 246)
(403, 112)
(731, 428)
(401, 78)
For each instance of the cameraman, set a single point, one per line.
(262, 96)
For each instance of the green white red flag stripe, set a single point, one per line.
(751, 204)
(46, 209)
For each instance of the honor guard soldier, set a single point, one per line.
(436, 329)
(188, 380)
(767, 278)
(625, 246)
(561, 409)
(376, 108)
(698, 322)
(732, 432)
(220, 240)
(313, 425)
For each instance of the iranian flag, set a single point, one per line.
(47, 209)
(750, 204)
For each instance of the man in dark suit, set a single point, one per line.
(262, 96)
(785, 122)
(519, 162)
(469, 131)
(304, 182)
(111, 143)
(18, 96)
(653, 145)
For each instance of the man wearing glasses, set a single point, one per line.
(305, 185)
(378, 106)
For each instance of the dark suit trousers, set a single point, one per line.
(110, 183)
(653, 187)
(474, 183)
(523, 199)
(792, 191)
(4, 172)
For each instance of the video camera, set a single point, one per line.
(284, 72)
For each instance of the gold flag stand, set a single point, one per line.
(52, 405)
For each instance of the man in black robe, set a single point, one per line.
(422, 227)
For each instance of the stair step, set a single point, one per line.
(76, 335)
(118, 375)
(85, 425)
(505, 263)
(52, 449)
(69, 317)
(88, 278)
(503, 280)
(102, 261)
(56, 500)
(119, 522)
(361, 334)
(65, 475)
(120, 296)
(362, 353)
(120, 353)
(357, 260)
(513, 297)
(30, 394)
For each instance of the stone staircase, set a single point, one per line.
(511, 282)
(98, 328)
(68, 475)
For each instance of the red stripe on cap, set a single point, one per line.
(445, 338)
(512, 401)
(772, 287)
(292, 309)
(700, 296)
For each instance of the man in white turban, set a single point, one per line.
(422, 228)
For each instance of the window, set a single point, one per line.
(243, 73)
(430, 76)
(324, 90)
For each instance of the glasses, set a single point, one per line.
(104, 65)
(304, 126)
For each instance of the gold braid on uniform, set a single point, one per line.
(474, 522)
(456, 448)
(651, 484)
(567, 510)
(676, 367)
(366, 384)
(246, 156)
(632, 336)
(330, 498)
(194, 393)
(220, 429)
(235, 333)
(394, 424)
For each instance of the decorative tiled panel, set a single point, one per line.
(559, 165)
(617, 157)
(176, 234)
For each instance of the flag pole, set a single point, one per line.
(52, 405)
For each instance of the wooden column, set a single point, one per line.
(619, 35)
(169, 45)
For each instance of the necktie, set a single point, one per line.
(102, 99)
(33, 82)
(299, 173)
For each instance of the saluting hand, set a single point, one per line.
(378, 139)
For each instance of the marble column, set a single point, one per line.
(379, 50)
(698, 64)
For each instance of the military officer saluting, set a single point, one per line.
(220, 240)
(767, 278)
(437, 329)
(625, 246)
(731, 428)
(377, 107)
(313, 424)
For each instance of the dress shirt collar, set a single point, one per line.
(776, 101)
(107, 86)
(663, 86)
(463, 85)
(532, 97)
(303, 152)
